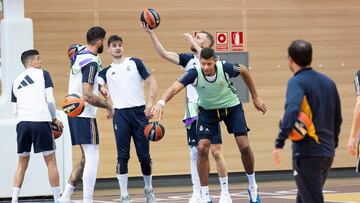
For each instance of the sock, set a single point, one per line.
(148, 181)
(56, 192)
(15, 194)
(123, 184)
(194, 172)
(69, 189)
(205, 193)
(251, 179)
(91, 152)
(224, 185)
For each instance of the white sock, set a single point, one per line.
(148, 181)
(194, 172)
(56, 192)
(69, 189)
(15, 194)
(123, 184)
(205, 193)
(224, 185)
(91, 152)
(251, 179)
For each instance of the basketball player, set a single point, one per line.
(217, 102)
(312, 156)
(83, 129)
(125, 78)
(34, 107)
(355, 127)
(202, 40)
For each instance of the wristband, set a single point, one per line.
(161, 103)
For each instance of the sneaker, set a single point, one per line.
(125, 199)
(150, 197)
(225, 198)
(254, 196)
(63, 200)
(195, 198)
(202, 200)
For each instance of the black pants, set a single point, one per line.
(310, 175)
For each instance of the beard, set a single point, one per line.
(100, 49)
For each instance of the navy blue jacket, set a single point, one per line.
(315, 94)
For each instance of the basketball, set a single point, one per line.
(72, 50)
(150, 17)
(56, 131)
(73, 105)
(154, 131)
(301, 127)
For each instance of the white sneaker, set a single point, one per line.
(63, 200)
(150, 196)
(254, 196)
(195, 198)
(225, 198)
(125, 199)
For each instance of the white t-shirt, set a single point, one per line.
(84, 70)
(125, 82)
(28, 93)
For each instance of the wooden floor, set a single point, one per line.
(337, 190)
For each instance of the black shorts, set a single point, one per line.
(83, 130)
(193, 138)
(233, 117)
(38, 134)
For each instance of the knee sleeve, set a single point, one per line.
(193, 153)
(145, 163)
(122, 166)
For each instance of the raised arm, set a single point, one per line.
(168, 55)
(158, 109)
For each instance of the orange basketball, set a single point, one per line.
(154, 131)
(72, 50)
(56, 131)
(73, 105)
(150, 17)
(301, 127)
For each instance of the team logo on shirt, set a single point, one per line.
(128, 68)
(221, 84)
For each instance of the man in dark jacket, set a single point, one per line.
(316, 95)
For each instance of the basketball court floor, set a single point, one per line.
(337, 190)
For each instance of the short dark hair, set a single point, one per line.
(209, 36)
(300, 52)
(207, 53)
(28, 55)
(95, 33)
(114, 38)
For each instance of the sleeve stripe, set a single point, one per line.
(357, 86)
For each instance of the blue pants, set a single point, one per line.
(127, 123)
(311, 174)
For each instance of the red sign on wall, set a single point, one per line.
(237, 41)
(222, 42)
